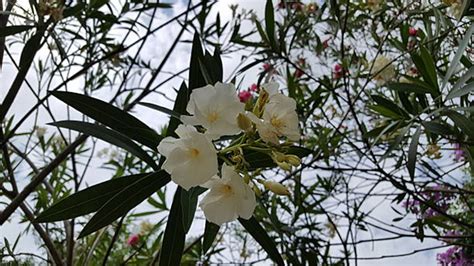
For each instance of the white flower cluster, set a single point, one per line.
(192, 159)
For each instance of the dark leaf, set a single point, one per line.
(412, 151)
(86, 201)
(109, 136)
(260, 235)
(112, 117)
(11, 30)
(125, 200)
(210, 233)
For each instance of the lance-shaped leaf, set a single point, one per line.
(125, 200)
(260, 235)
(458, 55)
(11, 30)
(210, 233)
(110, 136)
(466, 126)
(112, 117)
(173, 240)
(412, 150)
(86, 201)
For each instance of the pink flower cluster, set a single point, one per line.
(246, 95)
(458, 152)
(441, 199)
(133, 240)
(454, 256)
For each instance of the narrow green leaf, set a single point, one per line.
(412, 150)
(389, 105)
(462, 47)
(425, 71)
(461, 92)
(437, 128)
(11, 30)
(260, 235)
(179, 107)
(196, 78)
(162, 109)
(86, 201)
(30, 49)
(189, 201)
(270, 24)
(125, 200)
(430, 67)
(112, 117)
(408, 87)
(457, 86)
(109, 136)
(173, 241)
(466, 126)
(210, 233)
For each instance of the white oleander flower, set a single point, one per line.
(229, 198)
(383, 70)
(279, 118)
(216, 109)
(191, 160)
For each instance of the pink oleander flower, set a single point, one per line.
(267, 67)
(326, 43)
(412, 31)
(438, 194)
(244, 96)
(254, 88)
(338, 71)
(454, 256)
(458, 152)
(133, 240)
(298, 73)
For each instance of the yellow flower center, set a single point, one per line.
(212, 117)
(194, 152)
(226, 190)
(277, 123)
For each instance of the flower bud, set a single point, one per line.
(293, 159)
(276, 188)
(244, 122)
(284, 165)
(278, 157)
(257, 191)
(262, 100)
(133, 240)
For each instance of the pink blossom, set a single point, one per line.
(244, 96)
(253, 87)
(412, 31)
(338, 71)
(458, 152)
(267, 67)
(133, 240)
(326, 43)
(298, 73)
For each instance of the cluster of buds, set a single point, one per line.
(285, 161)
